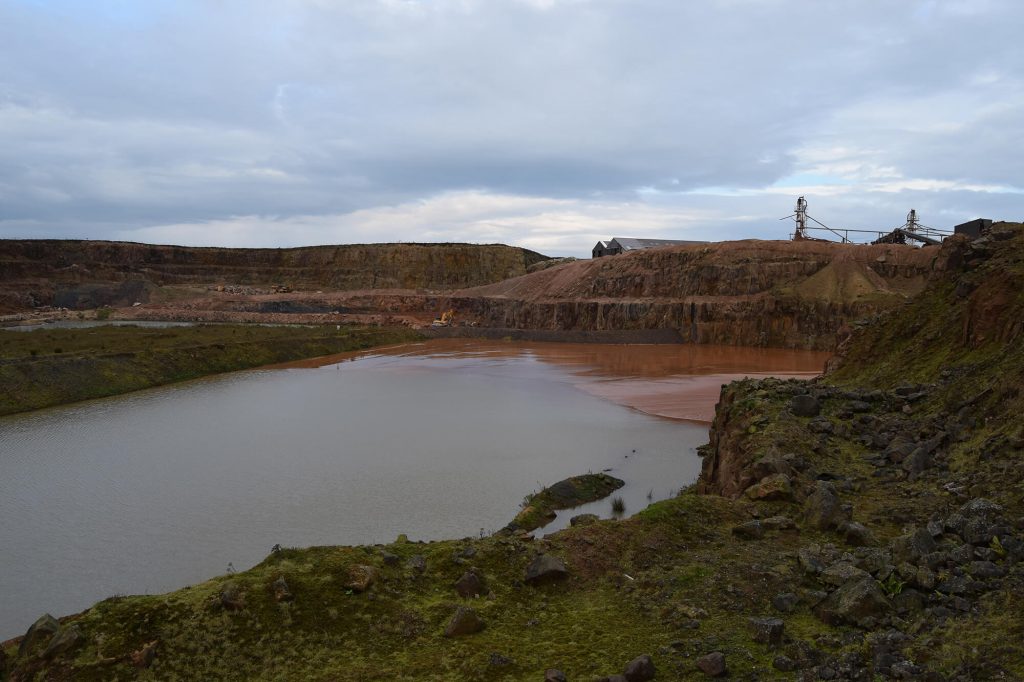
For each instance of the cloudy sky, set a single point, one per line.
(548, 124)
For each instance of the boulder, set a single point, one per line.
(975, 521)
(822, 508)
(751, 530)
(713, 664)
(554, 675)
(42, 630)
(985, 569)
(359, 578)
(770, 465)
(390, 558)
(911, 547)
(470, 585)
(925, 578)
(805, 406)
(640, 669)
(464, 622)
(416, 563)
(544, 569)
(583, 519)
(857, 535)
(809, 559)
(857, 602)
(281, 591)
(65, 640)
(778, 523)
(774, 487)
(842, 572)
(785, 602)
(784, 664)
(767, 630)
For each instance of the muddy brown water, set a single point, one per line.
(154, 490)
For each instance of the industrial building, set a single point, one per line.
(619, 245)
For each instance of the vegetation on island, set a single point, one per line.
(539, 508)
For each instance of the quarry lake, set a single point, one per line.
(150, 491)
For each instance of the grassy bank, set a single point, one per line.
(48, 367)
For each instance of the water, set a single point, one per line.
(151, 491)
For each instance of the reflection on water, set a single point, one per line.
(154, 490)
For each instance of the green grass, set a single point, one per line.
(49, 367)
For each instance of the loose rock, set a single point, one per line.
(554, 675)
(360, 578)
(767, 630)
(65, 640)
(856, 602)
(544, 569)
(470, 585)
(822, 509)
(640, 669)
(804, 406)
(774, 487)
(43, 629)
(464, 622)
(785, 602)
(713, 664)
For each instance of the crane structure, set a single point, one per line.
(911, 230)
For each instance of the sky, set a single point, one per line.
(547, 124)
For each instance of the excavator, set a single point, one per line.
(445, 320)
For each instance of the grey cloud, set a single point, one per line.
(172, 112)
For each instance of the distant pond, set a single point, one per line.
(154, 490)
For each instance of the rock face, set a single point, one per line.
(464, 622)
(545, 569)
(91, 273)
(726, 293)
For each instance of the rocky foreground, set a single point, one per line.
(864, 526)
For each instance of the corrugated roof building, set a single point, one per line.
(626, 244)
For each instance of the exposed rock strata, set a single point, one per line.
(84, 274)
